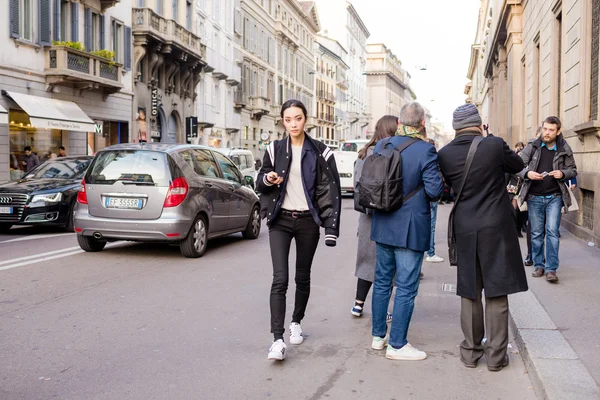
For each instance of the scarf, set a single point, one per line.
(404, 130)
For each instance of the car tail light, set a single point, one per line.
(82, 195)
(177, 192)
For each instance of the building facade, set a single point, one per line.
(168, 62)
(218, 121)
(541, 58)
(276, 48)
(387, 88)
(61, 84)
(341, 22)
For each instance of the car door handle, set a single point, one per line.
(208, 184)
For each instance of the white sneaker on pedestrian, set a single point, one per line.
(296, 334)
(406, 353)
(379, 343)
(434, 259)
(277, 351)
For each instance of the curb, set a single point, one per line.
(554, 368)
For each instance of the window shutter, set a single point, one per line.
(127, 48)
(44, 22)
(14, 19)
(56, 26)
(87, 29)
(74, 22)
(102, 32)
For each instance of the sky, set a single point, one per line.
(436, 34)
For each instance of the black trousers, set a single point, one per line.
(306, 234)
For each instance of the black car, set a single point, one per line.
(45, 195)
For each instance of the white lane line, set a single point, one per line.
(51, 255)
(39, 255)
(40, 260)
(34, 237)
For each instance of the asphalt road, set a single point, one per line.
(139, 321)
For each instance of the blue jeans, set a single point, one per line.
(434, 207)
(406, 265)
(544, 217)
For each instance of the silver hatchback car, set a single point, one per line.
(177, 194)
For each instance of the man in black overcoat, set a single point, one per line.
(488, 251)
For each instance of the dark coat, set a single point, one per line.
(409, 227)
(320, 179)
(484, 222)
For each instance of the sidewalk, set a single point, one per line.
(555, 326)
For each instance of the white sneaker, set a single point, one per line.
(434, 259)
(296, 334)
(406, 353)
(379, 343)
(277, 351)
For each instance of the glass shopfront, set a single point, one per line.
(43, 142)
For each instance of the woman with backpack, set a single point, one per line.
(365, 255)
(300, 189)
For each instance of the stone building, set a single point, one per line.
(540, 58)
(60, 85)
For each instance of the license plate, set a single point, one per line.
(116, 202)
(5, 210)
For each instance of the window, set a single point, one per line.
(96, 32)
(64, 20)
(217, 98)
(175, 7)
(140, 3)
(159, 7)
(117, 40)
(230, 172)
(205, 164)
(26, 19)
(188, 15)
(245, 133)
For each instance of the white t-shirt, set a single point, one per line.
(295, 199)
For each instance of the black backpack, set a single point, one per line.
(380, 185)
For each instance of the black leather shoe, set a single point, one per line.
(528, 262)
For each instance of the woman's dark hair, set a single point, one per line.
(520, 144)
(386, 127)
(294, 103)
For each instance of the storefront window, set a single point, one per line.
(44, 143)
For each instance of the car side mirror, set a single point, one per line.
(249, 181)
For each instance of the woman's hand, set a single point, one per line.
(274, 179)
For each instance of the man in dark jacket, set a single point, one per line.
(31, 160)
(488, 251)
(549, 166)
(402, 236)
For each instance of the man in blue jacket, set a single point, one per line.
(402, 237)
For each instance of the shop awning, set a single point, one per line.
(3, 116)
(47, 113)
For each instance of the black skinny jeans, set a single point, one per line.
(306, 233)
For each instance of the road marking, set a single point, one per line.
(51, 255)
(39, 255)
(34, 237)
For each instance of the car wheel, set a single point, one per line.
(194, 245)
(69, 226)
(89, 244)
(4, 228)
(253, 229)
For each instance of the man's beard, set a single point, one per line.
(548, 140)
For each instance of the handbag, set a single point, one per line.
(574, 205)
(452, 253)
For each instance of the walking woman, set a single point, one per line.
(365, 255)
(300, 189)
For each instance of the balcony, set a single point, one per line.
(353, 116)
(235, 77)
(218, 65)
(283, 30)
(240, 99)
(364, 120)
(326, 95)
(69, 67)
(260, 106)
(106, 4)
(311, 122)
(146, 23)
(326, 117)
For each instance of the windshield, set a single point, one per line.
(60, 169)
(136, 166)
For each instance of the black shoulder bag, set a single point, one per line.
(452, 255)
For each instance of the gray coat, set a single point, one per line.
(366, 251)
(563, 161)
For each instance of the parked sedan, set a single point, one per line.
(178, 194)
(45, 196)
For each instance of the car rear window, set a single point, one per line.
(137, 166)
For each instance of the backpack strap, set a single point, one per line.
(470, 156)
(401, 148)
